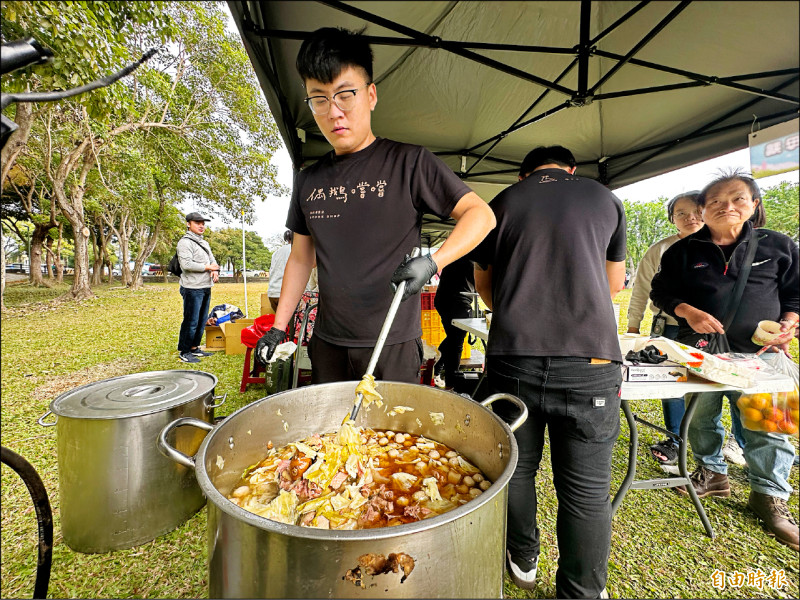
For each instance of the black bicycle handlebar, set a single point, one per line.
(53, 96)
(21, 53)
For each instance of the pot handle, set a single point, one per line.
(213, 406)
(514, 400)
(170, 452)
(41, 420)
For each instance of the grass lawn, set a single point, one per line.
(658, 549)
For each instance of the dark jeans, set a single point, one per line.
(195, 314)
(579, 405)
(331, 362)
(453, 343)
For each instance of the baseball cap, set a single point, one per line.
(196, 216)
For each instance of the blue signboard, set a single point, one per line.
(775, 149)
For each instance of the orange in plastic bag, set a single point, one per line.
(776, 412)
(779, 411)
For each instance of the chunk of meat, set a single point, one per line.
(370, 515)
(338, 480)
(404, 561)
(377, 564)
(323, 522)
(380, 504)
(373, 564)
(305, 490)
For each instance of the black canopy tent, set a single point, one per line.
(634, 89)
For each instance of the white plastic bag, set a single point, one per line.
(785, 365)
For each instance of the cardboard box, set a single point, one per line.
(266, 307)
(666, 371)
(215, 339)
(233, 335)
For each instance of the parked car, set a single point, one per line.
(155, 270)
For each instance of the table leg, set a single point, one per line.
(632, 451)
(483, 375)
(687, 419)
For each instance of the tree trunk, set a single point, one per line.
(121, 224)
(18, 140)
(147, 238)
(97, 259)
(2, 272)
(72, 207)
(38, 237)
(48, 259)
(57, 257)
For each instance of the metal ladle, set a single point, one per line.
(387, 325)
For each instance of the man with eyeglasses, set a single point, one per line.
(356, 214)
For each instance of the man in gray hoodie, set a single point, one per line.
(199, 272)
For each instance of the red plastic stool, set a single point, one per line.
(246, 376)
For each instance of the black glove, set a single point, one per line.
(649, 354)
(265, 347)
(416, 272)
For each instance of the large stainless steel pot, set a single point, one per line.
(116, 489)
(457, 554)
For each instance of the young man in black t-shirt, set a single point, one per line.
(549, 271)
(356, 213)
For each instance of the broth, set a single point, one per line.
(358, 479)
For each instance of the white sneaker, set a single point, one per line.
(604, 593)
(522, 579)
(732, 452)
(438, 381)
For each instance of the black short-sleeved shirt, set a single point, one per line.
(550, 292)
(364, 212)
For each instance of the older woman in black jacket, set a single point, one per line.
(694, 284)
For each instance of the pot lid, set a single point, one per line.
(133, 395)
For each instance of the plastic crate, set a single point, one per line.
(466, 351)
(426, 300)
(427, 319)
(426, 334)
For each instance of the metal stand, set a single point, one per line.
(653, 484)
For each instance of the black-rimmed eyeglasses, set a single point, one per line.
(345, 100)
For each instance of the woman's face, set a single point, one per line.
(728, 205)
(686, 216)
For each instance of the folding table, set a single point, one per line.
(656, 390)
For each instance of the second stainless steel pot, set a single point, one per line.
(116, 489)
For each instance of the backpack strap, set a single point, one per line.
(199, 244)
